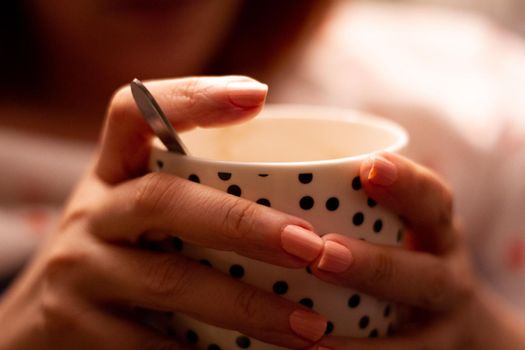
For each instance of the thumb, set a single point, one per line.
(187, 102)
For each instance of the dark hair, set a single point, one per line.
(252, 47)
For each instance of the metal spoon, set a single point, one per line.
(156, 118)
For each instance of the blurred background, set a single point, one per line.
(508, 13)
(451, 71)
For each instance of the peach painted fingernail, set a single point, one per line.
(335, 258)
(307, 324)
(382, 171)
(301, 242)
(247, 94)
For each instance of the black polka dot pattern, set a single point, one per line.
(224, 176)
(214, 347)
(314, 202)
(309, 303)
(237, 271)
(243, 342)
(192, 337)
(306, 203)
(399, 235)
(194, 178)
(354, 301)
(280, 287)
(264, 201)
(358, 219)
(305, 178)
(234, 190)
(364, 322)
(356, 183)
(329, 327)
(387, 311)
(378, 225)
(374, 333)
(332, 204)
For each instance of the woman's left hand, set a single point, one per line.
(433, 276)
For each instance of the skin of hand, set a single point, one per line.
(450, 307)
(81, 288)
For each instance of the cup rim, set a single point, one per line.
(314, 112)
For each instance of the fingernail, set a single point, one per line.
(382, 171)
(301, 242)
(247, 94)
(336, 258)
(307, 324)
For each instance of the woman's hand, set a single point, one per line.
(434, 277)
(80, 290)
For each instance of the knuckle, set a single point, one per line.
(82, 209)
(383, 268)
(436, 291)
(150, 193)
(465, 286)
(167, 277)
(188, 93)
(74, 215)
(465, 290)
(445, 215)
(247, 302)
(57, 317)
(119, 102)
(63, 262)
(240, 217)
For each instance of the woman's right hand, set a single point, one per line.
(80, 289)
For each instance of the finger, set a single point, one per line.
(116, 333)
(414, 342)
(73, 324)
(438, 335)
(172, 282)
(418, 195)
(204, 216)
(407, 277)
(187, 102)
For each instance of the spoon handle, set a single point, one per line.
(156, 118)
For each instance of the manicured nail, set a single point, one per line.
(307, 324)
(335, 258)
(382, 171)
(247, 94)
(301, 242)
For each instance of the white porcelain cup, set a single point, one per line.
(302, 160)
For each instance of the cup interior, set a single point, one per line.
(287, 133)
